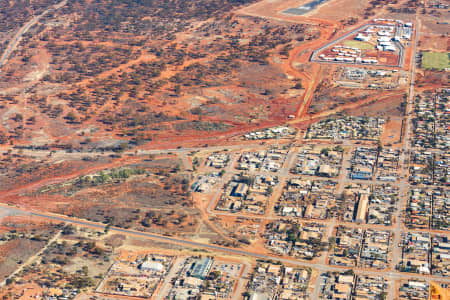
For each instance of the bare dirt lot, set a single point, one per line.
(20, 239)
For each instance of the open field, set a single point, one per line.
(435, 60)
(358, 44)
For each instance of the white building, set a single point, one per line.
(152, 266)
(361, 37)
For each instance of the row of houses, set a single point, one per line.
(336, 286)
(414, 289)
(275, 281)
(363, 163)
(371, 204)
(247, 193)
(218, 160)
(440, 260)
(318, 161)
(415, 253)
(363, 248)
(301, 240)
(431, 120)
(354, 128)
(310, 199)
(428, 208)
(270, 160)
(426, 254)
(388, 165)
(271, 133)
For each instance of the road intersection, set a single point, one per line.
(321, 265)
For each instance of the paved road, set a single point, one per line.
(164, 290)
(16, 39)
(317, 287)
(6, 211)
(283, 172)
(321, 266)
(63, 154)
(3, 213)
(198, 245)
(403, 188)
(221, 183)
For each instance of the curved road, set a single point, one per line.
(173, 240)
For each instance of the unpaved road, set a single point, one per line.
(18, 36)
(179, 241)
(31, 259)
